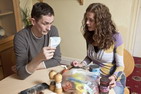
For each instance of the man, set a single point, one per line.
(31, 43)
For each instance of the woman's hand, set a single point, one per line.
(77, 64)
(112, 82)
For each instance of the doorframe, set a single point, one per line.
(137, 32)
(133, 25)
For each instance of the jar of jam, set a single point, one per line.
(104, 85)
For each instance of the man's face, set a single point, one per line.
(43, 25)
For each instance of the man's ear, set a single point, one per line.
(33, 21)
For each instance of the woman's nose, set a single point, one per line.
(87, 22)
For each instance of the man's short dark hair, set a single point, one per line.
(41, 9)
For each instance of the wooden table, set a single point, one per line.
(13, 85)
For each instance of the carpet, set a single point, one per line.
(134, 80)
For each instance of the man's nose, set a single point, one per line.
(48, 27)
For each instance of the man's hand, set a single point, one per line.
(13, 68)
(36, 63)
(47, 53)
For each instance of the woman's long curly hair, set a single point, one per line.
(104, 26)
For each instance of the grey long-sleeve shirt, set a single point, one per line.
(27, 46)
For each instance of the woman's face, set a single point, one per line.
(90, 22)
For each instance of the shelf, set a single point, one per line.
(3, 13)
(7, 39)
(6, 46)
(11, 22)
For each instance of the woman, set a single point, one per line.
(104, 45)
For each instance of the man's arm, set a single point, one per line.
(20, 48)
(38, 62)
(57, 54)
(47, 57)
(24, 67)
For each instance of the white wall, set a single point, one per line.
(68, 17)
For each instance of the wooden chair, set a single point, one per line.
(129, 66)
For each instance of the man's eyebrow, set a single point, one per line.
(48, 22)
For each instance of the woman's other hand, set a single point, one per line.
(112, 81)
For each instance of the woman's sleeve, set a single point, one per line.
(119, 50)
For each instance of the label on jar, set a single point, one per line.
(104, 89)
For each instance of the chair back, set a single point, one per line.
(128, 62)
